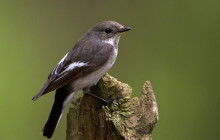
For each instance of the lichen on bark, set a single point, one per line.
(127, 118)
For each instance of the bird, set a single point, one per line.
(81, 68)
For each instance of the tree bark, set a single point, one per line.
(125, 119)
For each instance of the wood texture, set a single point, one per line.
(125, 119)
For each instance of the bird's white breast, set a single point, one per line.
(93, 78)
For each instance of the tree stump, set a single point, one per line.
(125, 119)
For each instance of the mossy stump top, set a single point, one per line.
(127, 118)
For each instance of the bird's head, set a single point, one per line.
(108, 31)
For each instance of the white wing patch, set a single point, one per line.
(61, 61)
(63, 58)
(73, 65)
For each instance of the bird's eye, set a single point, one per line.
(108, 30)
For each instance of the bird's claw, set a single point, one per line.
(110, 101)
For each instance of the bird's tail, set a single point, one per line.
(62, 98)
(55, 115)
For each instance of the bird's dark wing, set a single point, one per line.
(80, 61)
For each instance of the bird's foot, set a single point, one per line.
(105, 101)
(110, 101)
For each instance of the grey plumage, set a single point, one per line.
(82, 67)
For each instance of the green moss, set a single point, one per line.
(126, 118)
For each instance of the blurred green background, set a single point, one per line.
(173, 44)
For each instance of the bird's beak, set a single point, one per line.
(124, 29)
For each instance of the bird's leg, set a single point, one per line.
(88, 92)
